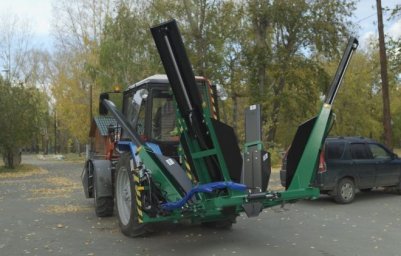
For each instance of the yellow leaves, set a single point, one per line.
(72, 95)
(22, 171)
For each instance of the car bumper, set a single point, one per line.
(318, 182)
(283, 177)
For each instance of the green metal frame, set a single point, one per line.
(207, 207)
(302, 177)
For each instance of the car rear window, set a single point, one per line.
(335, 150)
(358, 151)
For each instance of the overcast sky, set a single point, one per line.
(39, 12)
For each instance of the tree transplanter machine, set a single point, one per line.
(177, 161)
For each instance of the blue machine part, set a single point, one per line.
(154, 147)
(131, 147)
(204, 188)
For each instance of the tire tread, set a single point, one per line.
(104, 207)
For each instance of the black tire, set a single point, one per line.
(103, 205)
(126, 204)
(91, 180)
(398, 188)
(345, 192)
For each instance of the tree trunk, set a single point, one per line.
(260, 25)
(278, 90)
(11, 158)
(383, 70)
(235, 112)
(77, 147)
(45, 143)
(271, 135)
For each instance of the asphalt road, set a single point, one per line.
(45, 213)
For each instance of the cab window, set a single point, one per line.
(135, 113)
(163, 116)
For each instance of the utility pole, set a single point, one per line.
(388, 140)
(91, 86)
(55, 131)
(90, 103)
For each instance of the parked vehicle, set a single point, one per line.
(347, 164)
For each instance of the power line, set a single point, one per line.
(365, 18)
(371, 15)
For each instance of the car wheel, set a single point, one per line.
(127, 211)
(345, 191)
(398, 188)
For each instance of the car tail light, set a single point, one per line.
(284, 161)
(322, 163)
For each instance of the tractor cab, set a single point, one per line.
(150, 108)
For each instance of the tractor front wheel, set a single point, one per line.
(127, 208)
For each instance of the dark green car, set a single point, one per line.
(350, 163)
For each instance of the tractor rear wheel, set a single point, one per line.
(127, 208)
(103, 205)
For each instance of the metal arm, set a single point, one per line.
(182, 79)
(342, 67)
(121, 120)
(186, 92)
(309, 138)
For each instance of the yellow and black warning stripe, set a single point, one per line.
(188, 171)
(180, 125)
(138, 195)
(213, 103)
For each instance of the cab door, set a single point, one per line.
(135, 110)
(162, 120)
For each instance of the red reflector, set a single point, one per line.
(322, 163)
